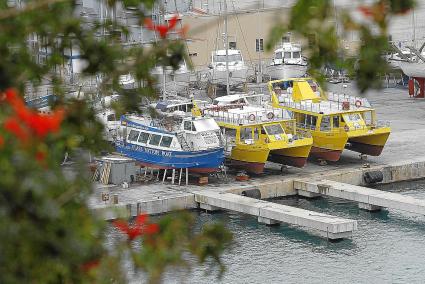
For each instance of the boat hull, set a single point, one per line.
(413, 69)
(249, 159)
(292, 156)
(325, 154)
(177, 81)
(372, 145)
(250, 167)
(196, 161)
(286, 71)
(236, 76)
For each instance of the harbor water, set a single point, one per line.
(389, 247)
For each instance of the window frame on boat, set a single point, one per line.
(147, 137)
(168, 144)
(192, 125)
(269, 128)
(130, 136)
(152, 136)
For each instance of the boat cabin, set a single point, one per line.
(193, 134)
(315, 110)
(289, 53)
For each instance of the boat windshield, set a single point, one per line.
(278, 55)
(296, 54)
(274, 129)
(222, 58)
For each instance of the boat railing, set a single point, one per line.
(353, 100)
(247, 118)
(337, 103)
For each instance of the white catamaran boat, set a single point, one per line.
(236, 65)
(287, 62)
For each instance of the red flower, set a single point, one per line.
(13, 126)
(86, 267)
(44, 124)
(40, 156)
(367, 11)
(35, 124)
(141, 227)
(163, 30)
(377, 11)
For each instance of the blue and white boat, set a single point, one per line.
(195, 143)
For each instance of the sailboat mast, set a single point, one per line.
(414, 29)
(226, 43)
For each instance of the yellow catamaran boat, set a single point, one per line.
(335, 121)
(256, 134)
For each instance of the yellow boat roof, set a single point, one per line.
(303, 98)
(302, 91)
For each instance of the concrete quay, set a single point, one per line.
(151, 200)
(327, 226)
(369, 199)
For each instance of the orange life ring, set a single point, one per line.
(358, 103)
(270, 115)
(251, 117)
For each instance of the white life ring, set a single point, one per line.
(251, 117)
(358, 103)
(270, 115)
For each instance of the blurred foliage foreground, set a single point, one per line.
(47, 232)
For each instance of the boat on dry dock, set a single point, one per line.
(335, 121)
(287, 62)
(257, 134)
(237, 70)
(194, 144)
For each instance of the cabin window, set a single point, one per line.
(296, 54)
(307, 121)
(246, 133)
(325, 125)
(287, 55)
(111, 117)
(352, 117)
(143, 138)
(256, 136)
(335, 121)
(278, 55)
(133, 135)
(367, 117)
(232, 57)
(274, 129)
(154, 141)
(232, 44)
(259, 44)
(166, 141)
(188, 125)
